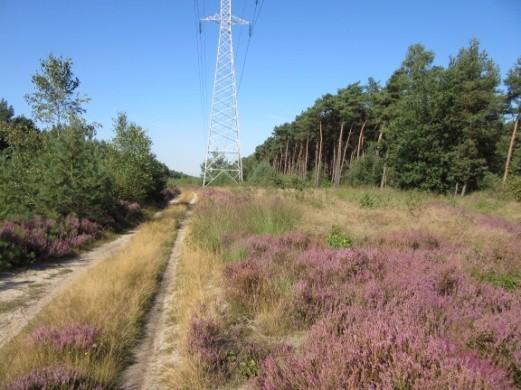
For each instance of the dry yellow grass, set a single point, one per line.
(112, 296)
(197, 283)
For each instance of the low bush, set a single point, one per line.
(354, 349)
(368, 201)
(514, 188)
(55, 378)
(224, 354)
(79, 337)
(338, 239)
(426, 326)
(25, 241)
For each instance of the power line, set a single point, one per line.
(200, 65)
(223, 156)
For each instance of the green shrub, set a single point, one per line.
(338, 239)
(368, 201)
(514, 188)
(367, 170)
(263, 174)
(490, 182)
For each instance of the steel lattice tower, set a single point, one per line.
(223, 156)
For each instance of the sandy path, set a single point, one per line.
(24, 294)
(154, 352)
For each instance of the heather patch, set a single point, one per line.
(403, 306)
(56, 378)
(354, 348)
(436, 325)
(80, 337)
(25, 241)
(494, 222)
(223, 351)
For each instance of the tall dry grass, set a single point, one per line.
(221, 218)
(198, 284)
(112, 297)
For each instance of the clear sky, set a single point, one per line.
(140, 57)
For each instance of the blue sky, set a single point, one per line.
(140, 57)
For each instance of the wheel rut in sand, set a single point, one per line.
(154, 352)
(24, 294)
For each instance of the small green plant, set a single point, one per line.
(413, 203)
(368, 201)
(507, 281)
(338, 239)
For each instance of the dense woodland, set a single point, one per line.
(59, 185)
(433, 128)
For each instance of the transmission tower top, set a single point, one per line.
(223, 156)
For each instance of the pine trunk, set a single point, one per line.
(344, 154)
(316, 165)
(305, 168)
(286, 158)
(336, 173)
(333, 165)
(360, 137)
(511, 148)
(319, 166)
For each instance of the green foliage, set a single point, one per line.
(507, 281)
(6, 111)
(137, 173)
(64, 170)
(514, 187)
(263, 174)
(73, 178)
(338, 239)
(368, 201)
(434, 127)
(490, 182)
(513, 84)
(367, 170)
(55, 98)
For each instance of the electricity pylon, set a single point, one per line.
(223, 156)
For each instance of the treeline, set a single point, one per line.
(59, 186)
(433, 128)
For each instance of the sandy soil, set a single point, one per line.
(24, 294)
(155, 352)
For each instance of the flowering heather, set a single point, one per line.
(56, 378)
(81, 337)
(399, 313)
(354, 348)
(268, 243)
(223, 353)
(494, 222)
(23, 241)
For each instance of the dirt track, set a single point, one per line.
(24, 294)
(154, 352)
